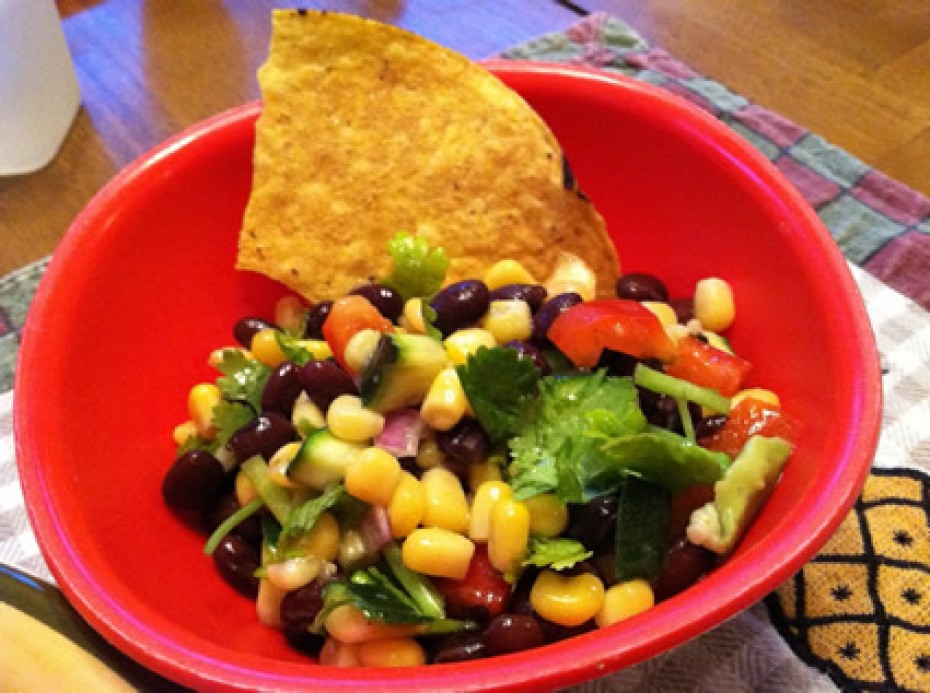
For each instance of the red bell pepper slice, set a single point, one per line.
(707, 366)
(751, 417)
(585, 330)
(348, 316)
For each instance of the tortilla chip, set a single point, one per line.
(369, 130)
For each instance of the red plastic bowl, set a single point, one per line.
(143, 287)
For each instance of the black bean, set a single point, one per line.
(684, 309)
(528, 350)
(300, 607)
(461, 647)
(555, 632)
(466, 442)
(662, 410)
(388, 302)
(685, 564)
(617, 363)
(708, 426)
(460, 305)
(549, 311)
(263, 435)
(532, 294)
(282, 388)
(594, 523)
(638, 286)
(193, 481)
(324, 381)
(245, 329)
(237, 561)
(316, 316)
(513, 633)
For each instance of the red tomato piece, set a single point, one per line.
(585, 330)
(483, 587)
(348, 316)
(707, 366)
(751, 417)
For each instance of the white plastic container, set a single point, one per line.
(39, 92)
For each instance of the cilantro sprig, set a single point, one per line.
(496, 381)
(558, 553)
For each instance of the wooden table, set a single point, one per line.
(856, 73)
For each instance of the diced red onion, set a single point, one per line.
(403, 430)
(375, 530)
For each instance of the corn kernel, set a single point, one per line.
(445, 401)
(569, 600)
(323, 539)
(486, 495)
(391, 652)
(437, 552)
(407, 505)
(548, 515)
(663, 311)
(349, 420)
(265, 348)
(479, 472)
(758, 393)
(412, 316)
(508, 320)
(184, 431)
(373, 475)
(571, 274)
(428, 454)
(677, 332)
(463, 343)
(305, 415)
(290, 314)
(349, 625)
(268, 603)
(339, 654)
(360, 348)
(294, 573)
(623, 600)
(508, 535)
(713, 304)
(201, 402)
(504, 272)
(245, 492)
(280, 461)
(446, 505)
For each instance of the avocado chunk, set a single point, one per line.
(739, 495)
(322, 459)
(400, 371)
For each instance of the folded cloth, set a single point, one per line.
(858, 612)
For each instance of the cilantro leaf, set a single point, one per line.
(301, 520)
(229, 417)
(292, 349)
(243, 378)
(391, 593)
(418, 270)
(557, 553)
(496, 381)
(561, 430)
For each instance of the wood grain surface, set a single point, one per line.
(855, 71)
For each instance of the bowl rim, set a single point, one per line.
(585, 656)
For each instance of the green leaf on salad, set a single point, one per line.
(418, 270)
(292, 349)
(391, 593)
(496, 381)
(658, 456)
(301, 520)
(243, 378)
(562, 428)
(229, 417)
(558, 553)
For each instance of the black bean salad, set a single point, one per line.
(423, 471)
